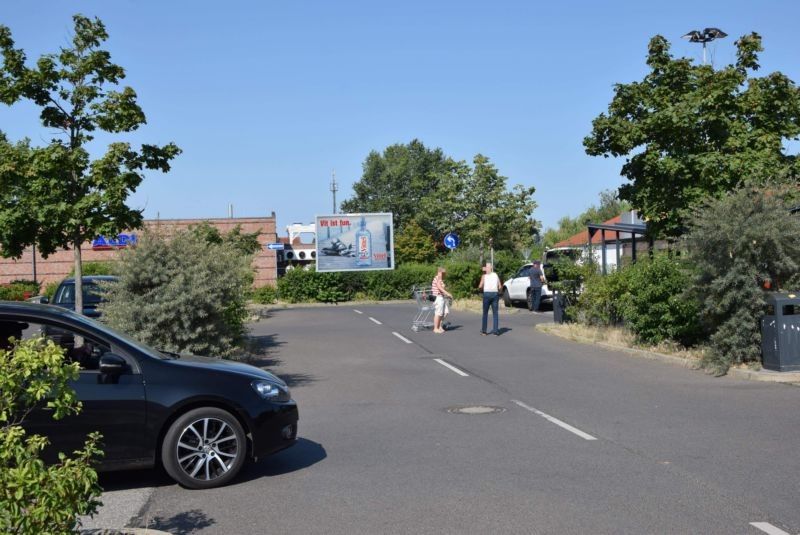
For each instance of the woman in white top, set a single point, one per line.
(491, 286)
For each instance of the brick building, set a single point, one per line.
(59, 264)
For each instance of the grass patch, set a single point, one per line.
(618, 337)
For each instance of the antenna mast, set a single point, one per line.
(334, 189)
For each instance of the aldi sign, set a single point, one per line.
(101, 243)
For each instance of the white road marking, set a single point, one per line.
(357, 311)
(401, 337)
(556, 421)
(450, 366)
(766, 527)
(373, 320)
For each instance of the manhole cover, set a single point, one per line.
(475, 409)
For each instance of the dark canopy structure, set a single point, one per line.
(623, 232)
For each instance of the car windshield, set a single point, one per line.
(92, 293)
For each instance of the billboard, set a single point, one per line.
(355, 242)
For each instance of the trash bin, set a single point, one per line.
(559, 307)
(780, 333)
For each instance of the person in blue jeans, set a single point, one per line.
(491, 285)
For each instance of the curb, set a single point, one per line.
(123, 531)
(769, 376)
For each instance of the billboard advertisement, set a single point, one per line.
(355, 242)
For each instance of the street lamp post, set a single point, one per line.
(705, 36)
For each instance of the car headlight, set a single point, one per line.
(271, 391)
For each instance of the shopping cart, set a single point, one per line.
(425, 308)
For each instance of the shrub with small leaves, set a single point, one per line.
(95, 268)
(601, 301)
(264, 295)
(738, 243)
(657, 306)
(462, 278)
(18, 290)
(182, 294)
(36, 498)
(50, 290)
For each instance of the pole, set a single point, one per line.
(33, 257)
(334, 188)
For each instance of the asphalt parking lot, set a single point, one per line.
(413, 432)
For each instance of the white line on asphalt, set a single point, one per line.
(401, 337)
(373, 320)
(556, 421)
(446, 365)
(766, 527)
(357, 311)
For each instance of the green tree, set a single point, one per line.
(246, 243)
(476, 203)
(610, 206)
(397, 180)
(738, 243)
(182, 294)
(689, 132)
(35, 498)
(413, 244)
(57, 196)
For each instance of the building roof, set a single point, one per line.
(582, 238)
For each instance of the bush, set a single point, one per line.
(649, 297)
(182, 294)
(601, 302)
(398, 284)
(657, 306)
(738, 243)
(330, 288)
(35, 498)
(413, 244)
(50, 290)
(299, 286)
(265, 295)
(18, 290)
(462, 278)
(95, 268)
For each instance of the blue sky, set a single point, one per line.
(267, 98)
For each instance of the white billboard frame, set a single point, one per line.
(342, 245)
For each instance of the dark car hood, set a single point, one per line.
(193, 361)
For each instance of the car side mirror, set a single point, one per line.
(44, 300)
(112, 364)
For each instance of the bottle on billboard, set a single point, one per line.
(364, 245)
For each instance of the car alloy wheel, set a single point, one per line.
(204, 448)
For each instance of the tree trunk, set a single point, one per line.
(76, 248)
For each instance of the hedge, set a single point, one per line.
(299, 286)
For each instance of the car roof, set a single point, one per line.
(92, 278)
(35, 309)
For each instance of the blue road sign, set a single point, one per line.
(451, 241)
(275, 246)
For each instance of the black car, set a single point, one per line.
(92, 294)
(201, 418)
